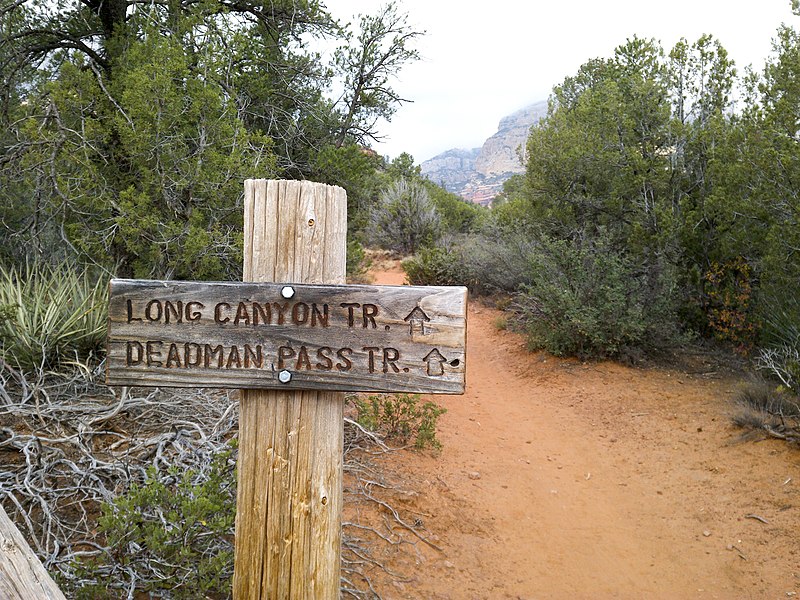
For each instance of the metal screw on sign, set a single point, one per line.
(284, 376)
(287, 291)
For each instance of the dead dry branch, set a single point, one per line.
(69, 444)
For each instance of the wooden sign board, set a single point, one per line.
(287, 336)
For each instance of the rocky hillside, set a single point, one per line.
(452, 169)
(478, 174)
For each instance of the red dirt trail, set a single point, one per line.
(559, 479)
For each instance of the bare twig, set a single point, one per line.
(757, 518)
(70, 444)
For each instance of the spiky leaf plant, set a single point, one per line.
(51, 316)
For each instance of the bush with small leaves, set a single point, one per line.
(357, 260)
(436, 266)
(405, 219)
(590, 301)
(169, 537)
(402, 417)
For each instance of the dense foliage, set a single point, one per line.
(127, 128)
(653, 206)
(170, 536)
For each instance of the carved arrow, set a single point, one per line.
(416, 320)
(435, 362)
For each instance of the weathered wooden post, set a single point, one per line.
(289, 503)
(22, 576)
(290, 346)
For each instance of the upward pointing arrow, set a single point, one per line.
(435, 362)
(416, 320)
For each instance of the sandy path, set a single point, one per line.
(566, 480)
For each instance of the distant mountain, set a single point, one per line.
(452, 169)
(478, 174)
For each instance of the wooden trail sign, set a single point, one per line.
(267, 335)
(382, 338)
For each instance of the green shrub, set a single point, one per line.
(50, 316)
(487, 262)
(590, 301)
(357, 260)
(405, 219)
(498, 259)
(174, 531)
(457, 215)
(402, 417)
(436, 266)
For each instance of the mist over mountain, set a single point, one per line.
(478, 174)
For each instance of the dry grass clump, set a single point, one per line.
(772, 410)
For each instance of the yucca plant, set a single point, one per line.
(51, 317)
(780, 354)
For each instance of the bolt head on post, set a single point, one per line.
(287, 291)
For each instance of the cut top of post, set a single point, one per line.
(297, 231)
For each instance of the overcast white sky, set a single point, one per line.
(484, 60)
